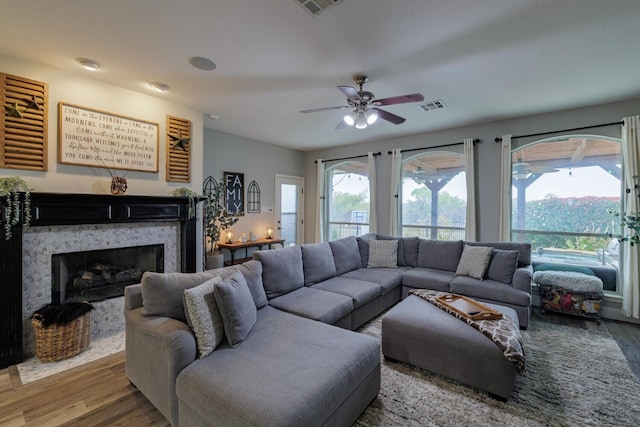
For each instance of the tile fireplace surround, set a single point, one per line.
(64, 223)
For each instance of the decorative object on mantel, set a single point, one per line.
(192, 196)
(216, 218)
(253, 197)
(61, 331)
(178, 149)
(94, 138)
(118, 185)
(24, 124)
(10, 188)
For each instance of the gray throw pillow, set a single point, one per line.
(474, 261)
(237, 309)
(252, 272)
(203, 316)
(383, 254)
(162, 292)
(503, 265)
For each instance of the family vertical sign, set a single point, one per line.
(234, 192)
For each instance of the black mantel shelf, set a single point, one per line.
(76, 209)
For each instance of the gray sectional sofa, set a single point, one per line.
(284, 361)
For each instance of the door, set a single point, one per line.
(290, 209)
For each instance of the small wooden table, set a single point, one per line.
(233, 247)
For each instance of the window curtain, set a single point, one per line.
(631, 254)
(505, 190)
(396, 183)
(373, 205)
(469, 166)
(320, 198)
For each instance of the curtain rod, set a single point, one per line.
(499, 139)
(348, 158)
(475, 141)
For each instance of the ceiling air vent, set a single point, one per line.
(316, 7)
(432, 105)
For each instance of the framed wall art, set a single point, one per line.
(234, 192)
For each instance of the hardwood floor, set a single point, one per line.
(99, 394)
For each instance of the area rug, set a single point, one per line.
(573, 377)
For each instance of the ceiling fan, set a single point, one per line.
(364, 106)
(522, 170)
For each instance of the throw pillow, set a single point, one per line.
(252, 272)
(383, 253)
(162, 292)
(474, 261)
(203, 316)
(503, 265)
(237, 309)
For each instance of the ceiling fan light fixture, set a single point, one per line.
(89, 64)
(361, 122)
(350, 118)
(371, 116)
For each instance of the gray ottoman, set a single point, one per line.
(420, 334)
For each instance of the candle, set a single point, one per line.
(269, 231)
(229, 237)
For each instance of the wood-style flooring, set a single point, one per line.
(99, 394)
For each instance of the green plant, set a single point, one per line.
(193, 199)
(216, 216)
(10, 188)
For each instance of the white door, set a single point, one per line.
(290, 209)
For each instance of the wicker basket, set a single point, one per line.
(58, 342)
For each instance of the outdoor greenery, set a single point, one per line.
(451, 209)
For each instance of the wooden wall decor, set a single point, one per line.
(23, 123)
(178, 149)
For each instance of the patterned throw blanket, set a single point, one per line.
(503, 332)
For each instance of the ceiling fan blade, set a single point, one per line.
(341, 125)
(351, 93)
(402, 99)
(315, 110)
(390, 117)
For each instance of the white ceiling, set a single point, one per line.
(486, 59)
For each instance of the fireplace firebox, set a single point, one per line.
(101, 274)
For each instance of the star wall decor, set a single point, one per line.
(179, 141)
(13, 110)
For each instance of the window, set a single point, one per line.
(563, 192)
(434, 196)
(348, 196)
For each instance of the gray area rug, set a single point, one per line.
(573, 377)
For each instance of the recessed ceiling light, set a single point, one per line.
(213, 116)
(202, 63)
(159, 86)
(89, 64)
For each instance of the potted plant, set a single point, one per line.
(10, 188)
(193, 199)
(217, 219)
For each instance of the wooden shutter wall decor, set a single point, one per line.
(178, 149)
(23, 123)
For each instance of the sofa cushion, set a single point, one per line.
(237, 309)
(363, 245)
(317, 263)
(489, 290)
(387, 278)
(474, 261)
(281, 270)
(203, 316)
(427, 278)
(316, 304)
(502, 266)
(346, 254)
(407, 249)
(252, 272)
(383, 254)
(361, 292)
(439, 254)
(162, 292)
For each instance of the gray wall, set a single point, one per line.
(258, 161)
(487, 156)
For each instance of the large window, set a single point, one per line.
(348, 200)
(563, 192)
(434, 196)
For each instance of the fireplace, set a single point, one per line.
(66, 223)
(99, 275)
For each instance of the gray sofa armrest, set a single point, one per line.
(157, 350)
(522, 278)
(133, 296)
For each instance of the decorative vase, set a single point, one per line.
(215, 261)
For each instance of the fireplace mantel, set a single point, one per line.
(76, 209)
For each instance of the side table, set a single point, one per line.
(233, 247)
